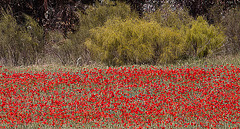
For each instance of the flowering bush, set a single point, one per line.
(121, 97)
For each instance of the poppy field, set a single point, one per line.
(121, 97)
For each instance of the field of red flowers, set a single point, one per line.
(121, 97)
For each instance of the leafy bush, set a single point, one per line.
(95, 16)
(215, 14)
(59, 46)
(203, 39)
(168, 16)
(134, 41)
(232, 29)
(64, 49)
(173, 43)
(20, 44)
(35, 31)
(120, 42)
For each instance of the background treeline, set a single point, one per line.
(77, 32)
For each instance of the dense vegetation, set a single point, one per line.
(116, 32)
(143, 64)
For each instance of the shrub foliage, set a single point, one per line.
(110, 32)
(232, 29)
(20, 45)
(95, 16)
(203, 39)
(171, 17)
(134, 41)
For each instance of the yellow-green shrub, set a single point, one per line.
(134, 41)
(20, 44)
(36, 33)
(95, 16)
(203, 39)
(173, 43)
